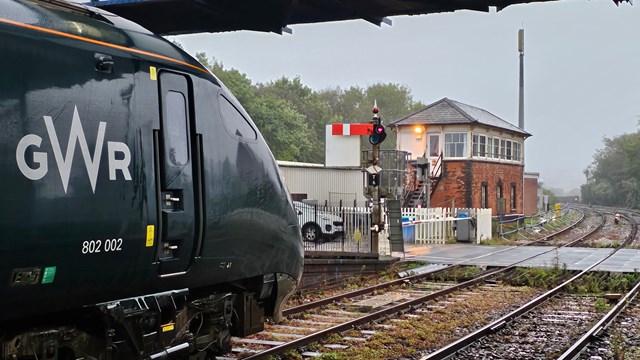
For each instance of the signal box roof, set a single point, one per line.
(449, 112)
(170, 17)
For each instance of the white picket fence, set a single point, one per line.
(435, 226)
(427, 225)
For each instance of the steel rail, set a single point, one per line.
(561, 231)
(358, 292)
(372, 288)
(369, 289)
(496, 325)
(580, 345)
(402, 307)
(592, 333)
(583, 237)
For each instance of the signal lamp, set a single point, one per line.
(378, 136)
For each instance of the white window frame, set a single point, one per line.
(479, 147)
(517, 151)
(456, 142)
(496, 147)
(509, 150)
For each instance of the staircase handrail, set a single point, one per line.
(437, 168)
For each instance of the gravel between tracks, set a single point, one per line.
(541, 334)
(621, 340)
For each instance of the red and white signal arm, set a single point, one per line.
(352, 129)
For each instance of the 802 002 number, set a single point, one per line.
(97, 246)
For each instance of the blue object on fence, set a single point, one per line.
(408, 230)
(462, 215)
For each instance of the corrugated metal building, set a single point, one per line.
(327, 185)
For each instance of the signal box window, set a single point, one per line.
(513, 196)
(177, 143)
(235, 123)
(455, 145)
(496, 147)
(479, 145)
(517, 151)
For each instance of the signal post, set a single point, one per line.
(372, 189)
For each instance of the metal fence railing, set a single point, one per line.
(519, 223)
(334, 228)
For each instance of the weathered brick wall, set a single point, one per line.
(462, 181)
(453, 185)
(530, 196)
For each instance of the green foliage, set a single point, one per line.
(292, 117)
(413, 265)
(618, 345)
(545, 278)
(498, 241)
(613, 179)
(597, 284)
(601, 305)
(329, 356)
(461, 273)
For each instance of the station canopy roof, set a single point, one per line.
(172, 17)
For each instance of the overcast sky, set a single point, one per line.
(582, 76)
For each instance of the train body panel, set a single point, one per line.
(129, 170)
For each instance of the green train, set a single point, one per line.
(143, 216)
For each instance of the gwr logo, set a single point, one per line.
(41, 161)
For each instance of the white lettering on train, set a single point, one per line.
(40, 162)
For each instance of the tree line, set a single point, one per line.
(292, 117)
(613, 178)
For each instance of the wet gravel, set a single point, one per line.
(635, 244)
(541, 334)
(621, 340)
(610, 236)
(591, 222)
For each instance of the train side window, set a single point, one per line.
(235, 123)
(176, 123)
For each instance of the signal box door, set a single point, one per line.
(176, 196)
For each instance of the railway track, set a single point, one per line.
(542, 333)
(591, 223)
(411, 297)
(614, 336)
(552, 309)
(422, 302)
